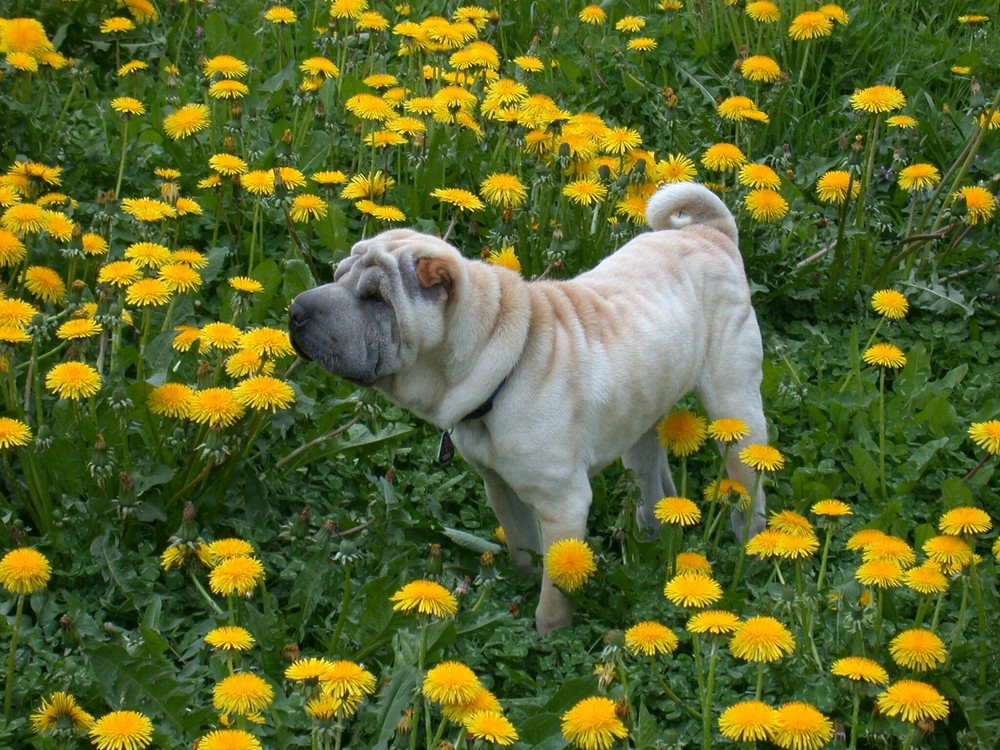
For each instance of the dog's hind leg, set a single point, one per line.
(517, 521)
(648, 461)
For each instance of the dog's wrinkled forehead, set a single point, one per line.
(378, 266)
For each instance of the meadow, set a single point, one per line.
(209, 543)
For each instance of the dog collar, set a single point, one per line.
(446, 449)
(486, 407)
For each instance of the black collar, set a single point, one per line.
(486, 407)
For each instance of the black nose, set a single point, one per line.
(297, 315)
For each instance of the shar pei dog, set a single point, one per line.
(544, 383)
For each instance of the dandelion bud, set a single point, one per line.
(622, 708)
(514, 609)
(329, 528)
(434, 562)
(290, 652)
(188, 515)
(605, 674)
(286, 137)
(405, 723)
(229, 144)
(235, 110)
(67, 624)
(604, 172)
(487, 559)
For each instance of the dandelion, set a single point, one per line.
(132, 66)
(692, 590)
(713, 622)
(860, 669)
(641, 44)
(490, 726)
(229, 638)
(748, 721)
(762, 457)
(228, 739)
(122, 730)
(760, 69)
(13, 433)
(948, 551)
(890, 304)
(800, 726)
(12, 249)
(148, 209)
(78, 328)
(810, 24)
(884, 355)
(227, 164)
(593, 15)
(878, 99)
(227, 66)
(245, 285)
(242, 693)
(280, 14)
(979, 203)
(593, 724)
(836, 13)
(585, 192)
(918, 649)
(506, 257)
(965, 520)
(482, 700)
(503, 189)
(148, 292)
(762, 639)
(73, 380)
(347, 680)
(264, 393)
(677, 511)
(569, 563)
(171, 400)
(15, 312)
(903, 122)
(186, 121)
(831, 508)
(650, 638)
(185, 337)
(24, 218)
(764, 204)
(44, 283)
(450, 682)
(306, 207)
(220, 335)
(127, 105)
(912, 701)
(926, 578)
(722, 157)
(723, 489)
(882, 574)
(57, 710)
(675, 168)
(919, 177)
(889, 547)
(426, 598)
(758, 176)
(236, 575)
(832, 186)
(460, 199)
(682, 432)
(24, 571)
(529, 63)
(116, 25)
(223, 549)
(986, 435)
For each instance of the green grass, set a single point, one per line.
(339, 492)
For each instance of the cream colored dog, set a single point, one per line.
(544, 383)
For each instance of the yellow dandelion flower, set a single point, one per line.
(801, 726)
(760, 69)
(860, 669)
(986, 435)
(593, 15)
(24, 571)
(450, 682)
(763, 11)
(426, 598)
(44, 283)
(810, 24)
(764, 204)
(122, 730)
(345, 679)
(186, 121)
(238, 575)
(880, 573)
(171, 400)
(890, 304)
(58, 710)
(569, 563)
(682, 432)
(722, 157)
(73, 380)
(761, 639)
(220, 335)
(242, 693)
(748, 721)
(229, 638)
(216, 407)
(831, 508)
(506, 257)
(884, 355)
(264, 393)
(593, 724)
(677, 511)
(918, 649)
(979, 203)
(650, 638)
(878, 99)
(692, 590)
(490, 726)
(307, 207)
(912, 701)
(918, 176)
(832, 186)
(13, 433)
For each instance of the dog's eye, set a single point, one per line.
(373, 295)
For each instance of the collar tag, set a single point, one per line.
(446, 448)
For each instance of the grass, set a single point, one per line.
(134, 493)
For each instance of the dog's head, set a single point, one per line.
(385, 307)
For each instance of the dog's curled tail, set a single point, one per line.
(680, 204)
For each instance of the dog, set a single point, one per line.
(544, 383)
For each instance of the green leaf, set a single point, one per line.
(471, 541)
(865, 469)
(398, 696)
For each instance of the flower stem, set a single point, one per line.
(8, 692)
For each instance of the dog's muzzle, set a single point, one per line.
(298, 319)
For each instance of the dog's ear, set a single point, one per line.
(436, 271)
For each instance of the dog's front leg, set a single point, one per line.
(517, 521)
(560, 516)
